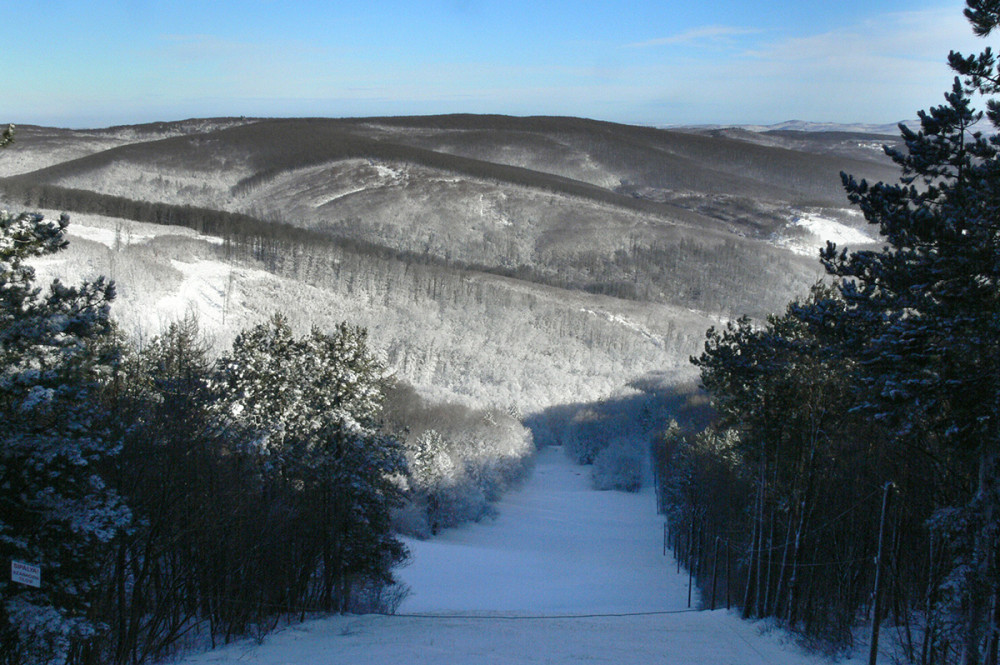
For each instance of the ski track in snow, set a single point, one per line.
(557, 547)
(514, 590)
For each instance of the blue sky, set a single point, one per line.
(98, 63)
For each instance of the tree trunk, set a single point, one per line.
(877, 613)
(748, 592)
(977, 619)
(760, 548)
(766, 608)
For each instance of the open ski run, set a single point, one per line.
(565, 574)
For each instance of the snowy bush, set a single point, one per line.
(461, 459)
(378, 598)
(588, 433)
(618, 467)
(411, 520)
(462, 502)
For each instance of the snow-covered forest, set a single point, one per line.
(252, 367)
(853, 465)
(164, 491)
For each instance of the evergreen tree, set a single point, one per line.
(55, 510)
(932, 300)
(433, 472)
(353, 468)
(314, 403)
(173, 471)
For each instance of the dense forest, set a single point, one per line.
(852, 473)
(168, 495)
(705, 272)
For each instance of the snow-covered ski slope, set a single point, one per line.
(556, 547)
(564, 575)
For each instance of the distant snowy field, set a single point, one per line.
(541, 584)
(810, 232)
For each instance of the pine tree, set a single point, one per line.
(262, 381)
(432, 471)
(172, 472)
(55, 510)
(931, 300)
(353, 468)
(314, 403)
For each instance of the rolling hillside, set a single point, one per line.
(502, 260)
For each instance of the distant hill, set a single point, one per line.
(559, 224)
(885, 129)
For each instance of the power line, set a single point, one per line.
(517, 617)
(296, 609)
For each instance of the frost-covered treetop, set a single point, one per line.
(28, 235)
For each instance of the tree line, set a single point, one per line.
(692, 272)
(853, 473)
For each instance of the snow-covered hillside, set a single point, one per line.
(437, 329)
(565, 575)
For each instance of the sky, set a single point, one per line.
(97, 63)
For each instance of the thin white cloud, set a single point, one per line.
(901, 36)
(879, 70)
(708, 33)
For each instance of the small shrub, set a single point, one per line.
(411, 520)
(618, 467)
(378, 598)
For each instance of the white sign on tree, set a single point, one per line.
(25, 573)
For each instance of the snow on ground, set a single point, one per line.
(387, 172)
(564, 575)
(631, 325)
(203, 292)
(339, 195)
(696, 638)
(557, 546)
(113, 231)
(812, 230)
(107, 237)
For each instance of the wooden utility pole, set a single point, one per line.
(715, 569)
(700, 556)
(993, 643)
(729, 565)
(677, 549)
(877, 614)
(690, 553)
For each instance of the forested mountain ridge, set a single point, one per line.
(586, 237)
